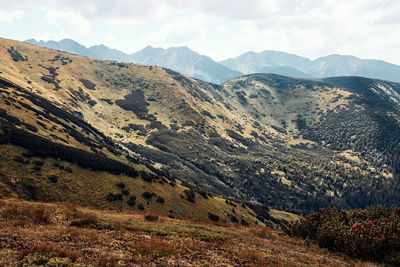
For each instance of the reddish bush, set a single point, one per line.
(373, 233)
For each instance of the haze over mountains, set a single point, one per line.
(188, 62)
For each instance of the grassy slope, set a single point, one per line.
(90, 188)
(38, 233)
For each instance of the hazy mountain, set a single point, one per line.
(186, 61)
(339, 65)
(96, 51)
(181, 59)
(332, 65)
(252, 62)
(285, 142)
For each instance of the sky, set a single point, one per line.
(218, 28)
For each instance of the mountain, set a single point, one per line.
(291, 144)
(96, 51)
(252, 62)
(186, 61)
(181, 59)
(332, 65)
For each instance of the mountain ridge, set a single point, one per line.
(322, 67)
(268, 61)
(175, 58)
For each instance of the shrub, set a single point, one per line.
(125, 192)
(140, 207)
(244, 222)
(234, 219)
(147, 177)
(147, 195)
(19, 159)
(83, 219)
(131, 201)
(113, 197)
(160, 200)
(120, 185)
(92, 103)
(373, 233)
(37, 168)
(53, 178)
(88, 84)
(151, 217)
(190, 195)
(213, 217)
(229, 202)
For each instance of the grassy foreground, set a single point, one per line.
(62, 234)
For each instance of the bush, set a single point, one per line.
(147, 195)
(37, 168)
(373, 233)
(213, 217)
(151, 217)
(113, 197)
(131, 201)
(88, 84)
(160, 200)
(53, 178)
(120, 185)
(84, 219)
(190, 195)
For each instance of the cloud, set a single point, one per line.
(68, 21)
(177, 32)
(7, 17)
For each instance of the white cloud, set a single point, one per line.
(68, 21)
(10, 17)
(177, 32)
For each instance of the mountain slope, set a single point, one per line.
(332, 65)
(293, 144)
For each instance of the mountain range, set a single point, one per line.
(291, 144)
(181, 59)
(188, 62)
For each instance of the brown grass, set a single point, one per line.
(114, 238)
(35, 215)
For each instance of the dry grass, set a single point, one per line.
(114, 238)
(90, 188)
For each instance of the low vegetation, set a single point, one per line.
(62, 234)
(370, 234)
